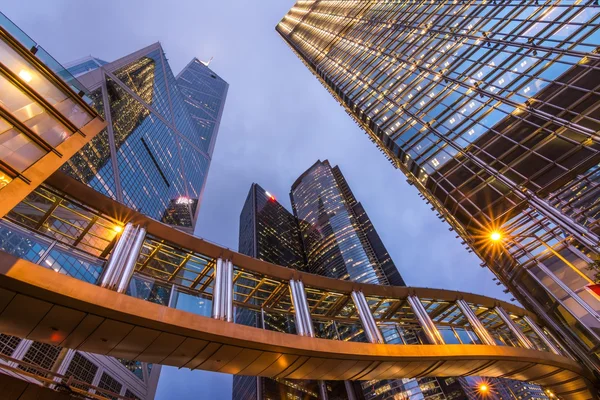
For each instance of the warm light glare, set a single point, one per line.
(118, 228)
(483, 388)
(25, 75)
(495, 236)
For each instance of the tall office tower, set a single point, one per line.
(341, 242)
(155, 153)
(269, 232)
(338, 236)
(491, 111)
(151, 156)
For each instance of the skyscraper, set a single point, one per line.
(269, 232)
(338, 236)
(153, 156)
(490, 110)
(341, 242)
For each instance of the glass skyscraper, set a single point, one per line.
(153, 156)
(337, 234)
(341, 242)
(269, 232)
(491, 110)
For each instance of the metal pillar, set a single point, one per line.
(304, 325)
(131, 259)
(538, 331)
(366, 318)
(476, 324)
(514, 328)
(222, 307)
(425, 321)
(350, 390)
(121, 264)
(115, 260)
(323, 390)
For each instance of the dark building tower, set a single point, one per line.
(269, 232)
(491, 111)
(338, 236)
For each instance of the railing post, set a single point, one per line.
(223, 291)
(425, 321)
(514, 328)
(121, 264)
(478, 327)
(350, 390)
(304, 325)
(538, 331)
(366, 318)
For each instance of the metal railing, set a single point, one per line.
(183, 271)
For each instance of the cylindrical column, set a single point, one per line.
(425, 321)
(476, 324)
(216, 306)
(514, 328)
(308, 325)
(350, 390)
(366, 318)
(130, 259)
(538, 331)
(298, 315)
(114, 262)
(229, 291)
(323, 390)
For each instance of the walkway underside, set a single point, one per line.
(39, 304)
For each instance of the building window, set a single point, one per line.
(82, 369)
(129, 395)
(107, 382)
(8, 344)
(41, 354)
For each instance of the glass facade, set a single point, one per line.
(156, 151)
(270, 233)
(491, 111)
(335, 243)
(38, 110)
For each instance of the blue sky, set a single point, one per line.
(278, 121)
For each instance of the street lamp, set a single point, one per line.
(497, 236)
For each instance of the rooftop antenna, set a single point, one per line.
(207, 63)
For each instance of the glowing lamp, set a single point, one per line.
(483, 388)
(495, 236)
(118, 229)
(25, 75)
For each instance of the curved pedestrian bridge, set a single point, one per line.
(145, 291)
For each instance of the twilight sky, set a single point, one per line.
(278, 121)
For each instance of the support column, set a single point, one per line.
(538, 331)
(514, 328)
(323, 390)
(350, 390)
(366, 318)
(304, 325)
(121, 264)
(112, 267)
(223, 291)
(131, 259)
(425, 321)
(476, 324)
